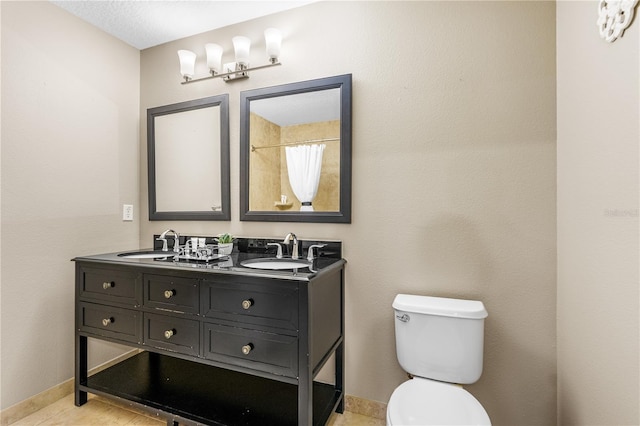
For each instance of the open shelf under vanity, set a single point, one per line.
(206, 394)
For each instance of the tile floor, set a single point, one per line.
(101, 411)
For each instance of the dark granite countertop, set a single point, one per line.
(328, 259)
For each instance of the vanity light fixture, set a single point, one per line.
(232, 70)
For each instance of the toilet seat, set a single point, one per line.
(427, 402)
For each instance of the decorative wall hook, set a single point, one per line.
(614, 17)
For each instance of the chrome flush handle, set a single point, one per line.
(403, 317)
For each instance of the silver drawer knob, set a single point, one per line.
(168, 294)
(169, 333)
(107, 321)
(107, 285)
(246, 304)
(247, 348)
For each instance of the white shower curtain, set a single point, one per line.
(304, 164)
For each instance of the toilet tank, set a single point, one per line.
(440, 338)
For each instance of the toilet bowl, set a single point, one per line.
(439, 342)
(428, 402)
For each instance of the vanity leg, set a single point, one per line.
(339, 353)
(305, 401)
(305, 370)
(339, 357)
(81, 370)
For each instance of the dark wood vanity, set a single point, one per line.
(219, 345)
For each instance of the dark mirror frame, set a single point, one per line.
(224, 213)
(343, 82)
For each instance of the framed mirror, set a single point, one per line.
(295, 152)
(188, 160)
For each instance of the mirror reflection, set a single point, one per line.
(295, 152)
(296, 149)
(188, 156)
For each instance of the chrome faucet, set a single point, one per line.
(279, 253)
(294, 251)
(176, 240)
(310, 252)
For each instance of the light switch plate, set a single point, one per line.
(127, 212)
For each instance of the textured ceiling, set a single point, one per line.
(143, 24)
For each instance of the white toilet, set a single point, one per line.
(440, 342)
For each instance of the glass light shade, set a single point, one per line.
(187, 63)
(242, 45)
(214, 56)
(273, 40)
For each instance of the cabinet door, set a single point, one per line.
(268, 303)
(258, 350)
(176, 294)
(108, 321)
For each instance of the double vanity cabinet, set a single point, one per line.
(218, 343)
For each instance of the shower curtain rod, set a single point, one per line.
(255, 148)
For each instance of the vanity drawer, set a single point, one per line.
(172, 334)
(258, 350)
(172, 293)
(270, 304)
(109, 321)
(110, 285)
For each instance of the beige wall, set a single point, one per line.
(598, 230)
(70, 102)
(454, 162)
(454, 173)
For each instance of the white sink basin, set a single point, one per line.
(273, 263)
(149, 254)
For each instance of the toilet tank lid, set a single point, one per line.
(442, 306)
